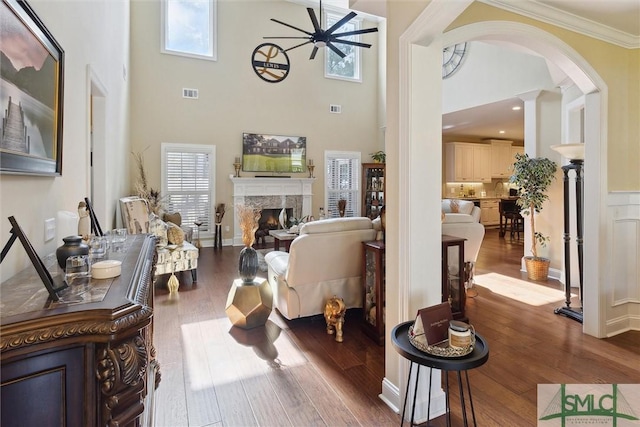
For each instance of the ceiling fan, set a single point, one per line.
(322, 38)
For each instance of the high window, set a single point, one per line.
(347, 68)
(342, 182)
(189, 28)
(188, 183)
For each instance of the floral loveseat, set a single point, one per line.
(172, 258)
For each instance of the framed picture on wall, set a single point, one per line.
(31, 93)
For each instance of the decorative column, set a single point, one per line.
(575, 153)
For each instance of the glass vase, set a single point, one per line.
(248, 264)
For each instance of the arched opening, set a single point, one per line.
(419, 138)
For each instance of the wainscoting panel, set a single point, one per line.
(622, 289)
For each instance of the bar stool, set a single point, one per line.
(514, 222)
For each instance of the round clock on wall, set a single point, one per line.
(270, 62)
(452, 58)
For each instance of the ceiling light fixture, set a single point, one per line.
(516, 108)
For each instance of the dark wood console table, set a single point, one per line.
(453, 289)
(87, 360)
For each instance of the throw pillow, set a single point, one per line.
(173, 217)
(465, 206)
(175, 234)
(455, 206)
(159, 228)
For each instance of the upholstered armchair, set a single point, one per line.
(172, 258)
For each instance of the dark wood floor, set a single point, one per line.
(293, 373)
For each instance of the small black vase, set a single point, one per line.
(248, 264)
(73, 245)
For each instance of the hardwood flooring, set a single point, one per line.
(291, 373)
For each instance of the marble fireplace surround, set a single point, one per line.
(271, 193)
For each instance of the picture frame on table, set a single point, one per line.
(31, 95)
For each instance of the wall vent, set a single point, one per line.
(336, 109)
(190, 93)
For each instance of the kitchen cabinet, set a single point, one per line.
(515, 150)
(490, 212)
(467, 162)
(482, 163)
(373, 195)
(502, 159)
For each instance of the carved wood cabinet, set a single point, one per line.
(87, 360)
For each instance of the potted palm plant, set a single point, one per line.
(533, 176)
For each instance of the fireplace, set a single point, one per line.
(272, 195)
(269, 219)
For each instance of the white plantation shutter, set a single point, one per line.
(188, 182)
(342, 181)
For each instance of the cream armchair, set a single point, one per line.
(464, 223)
(323, 261)
(171, 258)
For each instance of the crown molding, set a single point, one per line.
(566, 20)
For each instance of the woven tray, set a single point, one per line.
(442, 349)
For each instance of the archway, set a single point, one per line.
(419, 62)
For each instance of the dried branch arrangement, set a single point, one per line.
(248, 217)
(153, 197)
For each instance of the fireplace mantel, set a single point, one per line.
(275, 190)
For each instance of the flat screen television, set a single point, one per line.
(273, 153)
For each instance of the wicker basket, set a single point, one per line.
(537, 268)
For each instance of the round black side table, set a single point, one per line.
(479, 355)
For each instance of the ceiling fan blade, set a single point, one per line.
(301, 37)
(298, 45)
(313, 52)
(353, 33)
(336, 50)
(291, 26)
(349, 42)
(341, 22)
(314, 20)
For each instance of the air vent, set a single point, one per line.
(190, 93)
(335, 109)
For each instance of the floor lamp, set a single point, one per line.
(575, 154)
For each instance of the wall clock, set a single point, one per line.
(452, 58)
(270, 62)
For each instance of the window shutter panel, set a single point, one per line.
(343, 182)
(188, 186)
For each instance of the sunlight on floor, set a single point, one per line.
(217, 353)
(519, 290)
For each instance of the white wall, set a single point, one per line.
(94, 34)
(487, 75)
(233, 99)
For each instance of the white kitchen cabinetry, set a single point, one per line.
(490, 212)
(514, 150)
(467, 162)
(501, 159)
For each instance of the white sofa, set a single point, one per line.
(462, 219)
(323, 261)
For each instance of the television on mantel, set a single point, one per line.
(273, 153)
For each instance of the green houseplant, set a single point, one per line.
(378, 156)
(533, 176)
